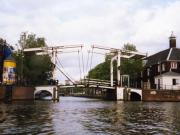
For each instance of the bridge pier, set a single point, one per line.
(55, 95)
(93, 92)
(123, 94)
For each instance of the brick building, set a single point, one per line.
(162, 70)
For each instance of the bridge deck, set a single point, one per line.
(91, 83)
(89, 86)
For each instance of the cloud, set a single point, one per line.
(147, 24)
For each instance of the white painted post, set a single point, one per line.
(118, 70)
(54, 61)
(111, 72)
(111, 69)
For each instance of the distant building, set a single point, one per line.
(162, 70)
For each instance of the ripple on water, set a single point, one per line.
(80, 116)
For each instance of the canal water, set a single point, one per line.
(83, 116)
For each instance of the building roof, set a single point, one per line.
(158, 57)
(175, 54)
(170, 54)
(169, 74)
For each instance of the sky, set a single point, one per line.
(112, 23)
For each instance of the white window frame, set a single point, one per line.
(141, 73)
(163, 67)
(173, 65)
(159, 68)
(148, 84)
(148, 71)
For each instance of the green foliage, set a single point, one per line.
(101, 71)
(37, 69)
(33, 69)
(131, 67)
(129, 47)
(18, 58)
(128, 66)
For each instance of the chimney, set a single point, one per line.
(172, 41)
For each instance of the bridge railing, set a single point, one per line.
(97, 82)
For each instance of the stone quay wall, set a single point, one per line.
(19, 93)
(161, 95)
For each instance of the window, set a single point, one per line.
(159, 68)
(144, 62)
(148, 71)
(163, 67)
(141, 74)
(159, 84)
(173, 65)
(148, 84)
(174, 81)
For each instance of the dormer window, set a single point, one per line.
(159, 68)
(163, 67)
(173, 65)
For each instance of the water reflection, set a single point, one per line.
(135, 118)
(3, 113)
(27, 117)
(79, 116)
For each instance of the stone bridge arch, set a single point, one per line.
(51, 89)
(135, 94)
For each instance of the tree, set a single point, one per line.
(129, 46)
(101, 71)
(33, 69)
(130, 67)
